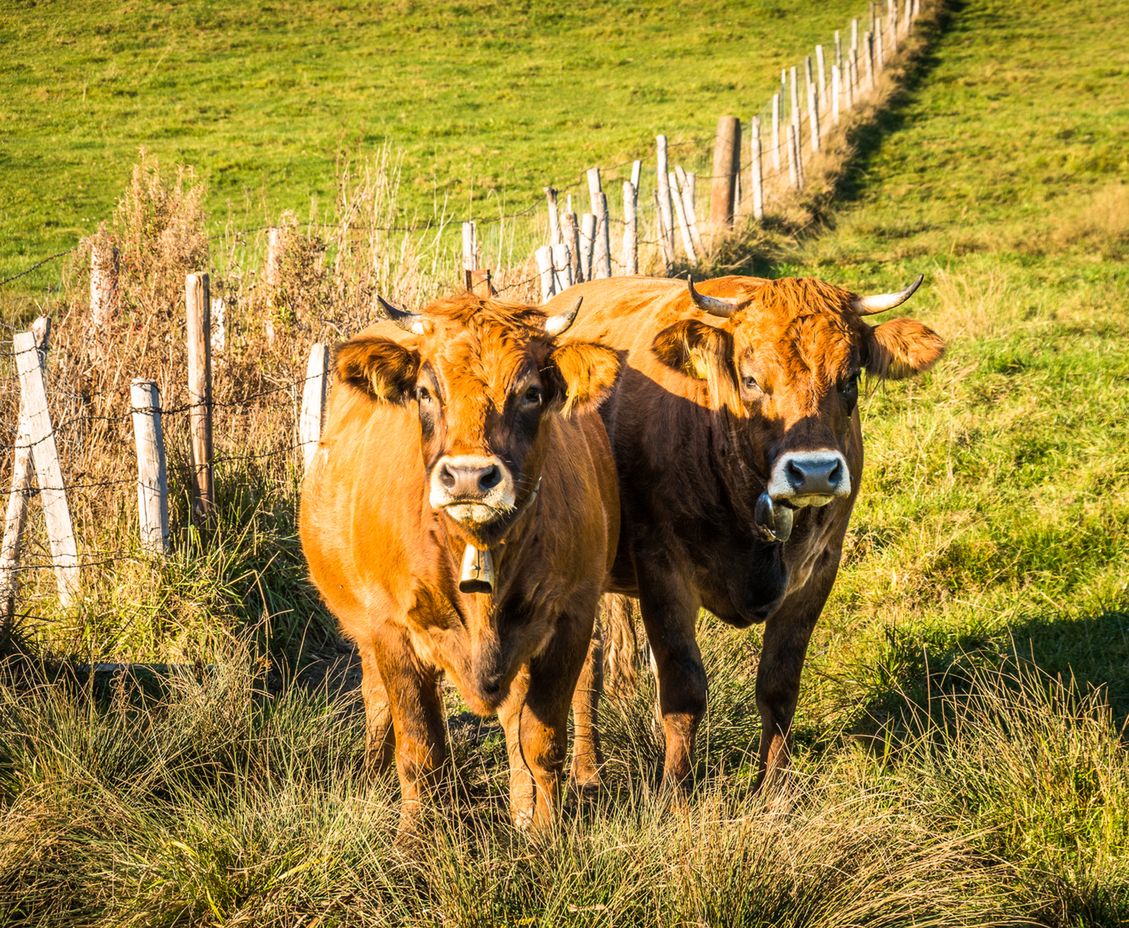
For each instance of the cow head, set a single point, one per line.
(484, 378)
(784, 368)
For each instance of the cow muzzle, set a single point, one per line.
(474, 490)
(809, 478)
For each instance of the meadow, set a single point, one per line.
(961, 731)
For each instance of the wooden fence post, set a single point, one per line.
(314, 392)
(663, 195)
(776, 160)
(821, 71)
(726, 159)
(630, 228)
(636, 175)
(849, 82)
(756, 169)
(104, 267)
(198, 307)
(587, 244)
(793, 159)
(571, 232)
(683, 221)
(562, 267)
(554, 216)
(794, 100)
(16, 513)
(152, 474)
(836, 82)
(813, 118)
(868, 59)
(879, 49)
(838, 49)
(602, 246)
(544, 258)
(686, 189)
(274, 242)
(470, 252)
(40, 437)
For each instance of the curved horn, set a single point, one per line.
(715, 306)
(409, 322)
(880, 302)
(556, 324)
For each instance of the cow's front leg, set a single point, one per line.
(670, 610)
(586, 759)
(786, 636)
(379, 740)
(535, 718)
(417, 720)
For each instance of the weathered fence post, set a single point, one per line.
(198, 307)
(274, 243)
(554, 216)
(879, 50)
(544, 258)
(683, 221)
(838, 49)
(820, 67)
(587, 243)
(16, 512)
(687, 186)
(726, 160)
(794, 100)
(793, 159)
(663, 195)
(813, 118)
(152, 474)
(868, 59)
(636, 175)
(104, 267)
(776, 160)
(562, 269)
(314, 392)
(571, 232)
(836, 82)
(756, 170)
(630, 228)
(40, 438)
(602, 245)
(470, 252)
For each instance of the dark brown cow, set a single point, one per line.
(460, 516)
(736, 435)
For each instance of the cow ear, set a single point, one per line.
(378, 367)
(901, 348)
(692, 347)
(585, 374)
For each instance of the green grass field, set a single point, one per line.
(961, 732)
(485, 103)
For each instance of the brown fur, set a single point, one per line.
(387, 564)
(703, 408)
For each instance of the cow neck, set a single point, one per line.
(746, 484)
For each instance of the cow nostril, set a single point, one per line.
(446, 477)
(835, 475)
(795, 474)
(490, 478)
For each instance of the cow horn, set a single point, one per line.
(715, 306)
(880, 302)
(409, 322)
(557, 323)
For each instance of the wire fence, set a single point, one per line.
(72, 415)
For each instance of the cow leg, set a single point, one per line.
(379, 740)
(535, 718)
(586, 758)
(786, 636)
(670, 610)
(417, 720)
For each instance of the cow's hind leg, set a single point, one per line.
(586, 758)
(670, 610)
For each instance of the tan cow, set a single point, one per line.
(460, 517)
(737, 439)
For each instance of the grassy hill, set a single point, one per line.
(486, 103)
(961, 726)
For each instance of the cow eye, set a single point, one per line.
(423, 395)
(750, 383)
(532, 396)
